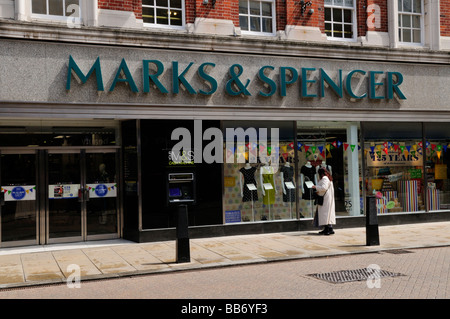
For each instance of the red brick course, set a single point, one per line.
(288, 13)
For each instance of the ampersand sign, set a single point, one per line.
(235, 79)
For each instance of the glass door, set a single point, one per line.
(65, 196)
(82, 195)
(102, 194)
(18, 199)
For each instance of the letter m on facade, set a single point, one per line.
(73, 68)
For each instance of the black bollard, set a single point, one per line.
(182, 245)
(372, 234)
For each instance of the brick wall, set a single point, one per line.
(445, 18)
(294, 15)
(223, 9)
(122, 5)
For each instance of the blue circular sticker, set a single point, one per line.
(101, 190)
(18, 193)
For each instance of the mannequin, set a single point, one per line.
(287, 175)
(307, 173)
(248, 177)
(266, 176)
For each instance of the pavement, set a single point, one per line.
(59, 263)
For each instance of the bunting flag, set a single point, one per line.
(320, 149)
(345, 146)
(444, 147)
(262, 148)
(299, 146)
(420, 144)
(306, 148)
(352, 147)
(313, 149)
(328, 147)
(291, 145)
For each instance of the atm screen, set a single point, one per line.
(174, 192)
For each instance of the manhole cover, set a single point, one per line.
(354, 275)
(398, 251)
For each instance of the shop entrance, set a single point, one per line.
(58, 195)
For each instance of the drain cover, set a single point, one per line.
(354, 275)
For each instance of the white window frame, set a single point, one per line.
(422, 24)
(354, 21)
(166, 26)
(248, 15)
(55, 18)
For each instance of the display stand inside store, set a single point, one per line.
(268, 188)
(287, 182)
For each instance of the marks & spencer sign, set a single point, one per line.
(271, 80)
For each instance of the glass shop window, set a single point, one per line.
(333, 146)
(394, 156)
(437, 142)
(259, 171)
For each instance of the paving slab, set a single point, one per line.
(106, 259)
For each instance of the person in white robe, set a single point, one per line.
(326, 213)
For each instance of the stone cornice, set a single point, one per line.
(182, 40)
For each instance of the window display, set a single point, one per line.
(437, 163)
(395, 175)
(333, 146)
(258, 186)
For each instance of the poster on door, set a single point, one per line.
(63, 191)
(102, 190)
(19, 193)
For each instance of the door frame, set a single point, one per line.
(42, 205)
(20, 151)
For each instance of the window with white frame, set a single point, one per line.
(410, 21)
(340, 19)
(257, 16)
(56, 9)
(166, 13)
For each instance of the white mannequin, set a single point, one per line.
(302, 177)
(241, 179)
